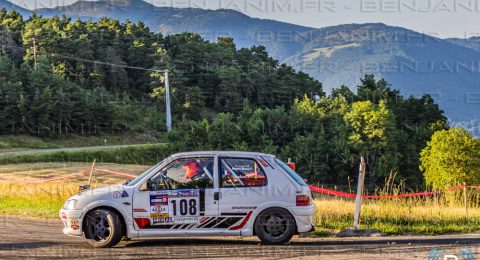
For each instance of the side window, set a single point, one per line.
(186, 173)
(241, 172)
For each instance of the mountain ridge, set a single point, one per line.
(412, 62)
(471, 43)
(9, 6)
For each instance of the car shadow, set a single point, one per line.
(308, 241)
(188, 241)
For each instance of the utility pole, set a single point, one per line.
(34, 53)
(167, 102)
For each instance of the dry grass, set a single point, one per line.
(395, 217)
(36, 171)
(45, 199)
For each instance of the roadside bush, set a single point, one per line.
(451, 158)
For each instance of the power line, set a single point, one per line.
(106, 63)
(167, 80)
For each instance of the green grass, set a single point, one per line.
(15, 142)
(35, 200)
(24, 141)
(39, 208)
(143, 155)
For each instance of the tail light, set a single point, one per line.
(303, 200)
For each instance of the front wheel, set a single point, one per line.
(103, 228)
(275, 226)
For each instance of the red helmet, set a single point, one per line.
(191, 169)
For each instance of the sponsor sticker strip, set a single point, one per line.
(174, 207)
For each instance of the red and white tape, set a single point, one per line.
(314, 189)
(399, 196)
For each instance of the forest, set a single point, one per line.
(61, 77)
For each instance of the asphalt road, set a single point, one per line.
(22, 238)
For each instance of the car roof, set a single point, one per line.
(225, 153)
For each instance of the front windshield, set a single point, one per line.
(141, 176)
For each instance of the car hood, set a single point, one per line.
(102, 190)
(117, 193)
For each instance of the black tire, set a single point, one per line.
(103, 228)
(275, 226)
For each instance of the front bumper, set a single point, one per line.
(303, 217)
(72, 222)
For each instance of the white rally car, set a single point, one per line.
(196, 194)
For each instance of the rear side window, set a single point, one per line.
(241, 172)
(291, 172)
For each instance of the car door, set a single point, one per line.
(179, 197)
(242, 186)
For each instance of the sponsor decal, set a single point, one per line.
(163, 192)
(140, 210)
(63, 215)
(185, 219)
(74, 224)
(241, 225)
(183, 193)
(244, 207)
(158, 200)
(162, 220)
(242, 168)
(159, 215)
(159, 209)
(117, 194)
(262, 162)
(174, 207)
(124, 194)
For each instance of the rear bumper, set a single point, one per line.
(303, 217)
(72, 222)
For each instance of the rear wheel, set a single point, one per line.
(275, 226)
(103, 228)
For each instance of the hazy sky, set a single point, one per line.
(441, 18)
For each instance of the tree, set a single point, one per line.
(345, 92)
(372, 134)
(451, 158)
(11, 97)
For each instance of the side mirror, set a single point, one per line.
(84, 188)
(145, 186)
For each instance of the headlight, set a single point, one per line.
(70, 204)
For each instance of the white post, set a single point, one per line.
(358, 201)
(167, 101)
(91, 173)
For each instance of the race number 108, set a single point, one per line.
(184, 207)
